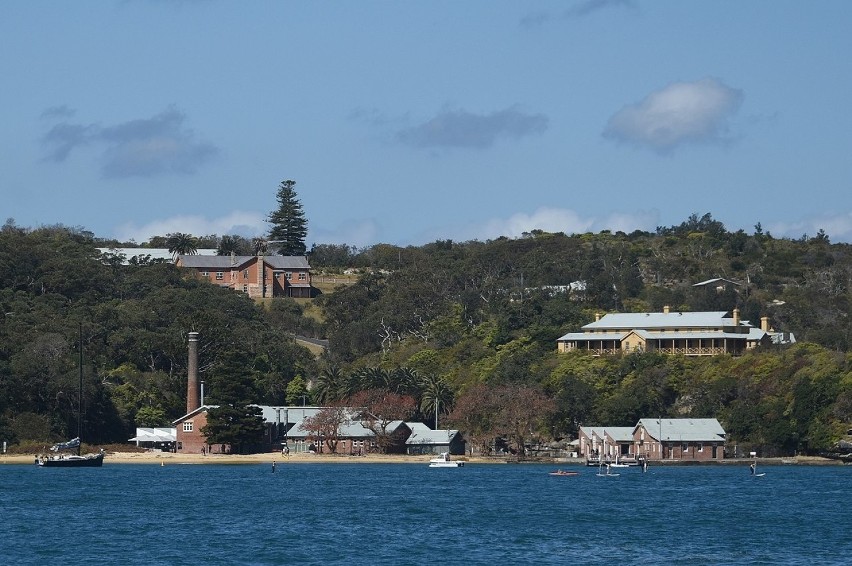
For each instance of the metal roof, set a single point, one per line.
(617, 433)
(650, 320)
(227, 262)
(586, 336)
(683, 430)
(431, 437)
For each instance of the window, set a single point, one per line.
(303, 277)
(205, 274)
(220, 275)
(245, 288)
(684, 448)
(701, 447)
(187, 426)
(245, 274)
(288, 275)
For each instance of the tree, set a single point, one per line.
(235, 421)
(297, 391)
(182, 244)
(380, 408)
(151, 417)
(234, 244)
(324, 426)
(436, 397)
(289, 226)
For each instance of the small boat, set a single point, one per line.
(564, 473)
(443, 461)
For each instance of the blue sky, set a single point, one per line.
(407, 122)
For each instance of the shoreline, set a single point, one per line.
(168, 458)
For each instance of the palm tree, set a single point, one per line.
(233, 244)
(329, 385)
(182, 244)
(436, 397)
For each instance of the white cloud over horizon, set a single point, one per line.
(553, 220)
(680, 113)
(838, 227)
(367, 232)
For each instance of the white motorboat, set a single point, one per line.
(443, 461)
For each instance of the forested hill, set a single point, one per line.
(459, 316)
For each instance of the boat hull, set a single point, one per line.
(450, 464)
(90, 461)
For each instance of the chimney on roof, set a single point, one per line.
(192, 400)
(666, 309)
(597, 316)
(736, 317)
(764, 323)
(233, 258)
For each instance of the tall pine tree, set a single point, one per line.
(289, 226)
(235, 420)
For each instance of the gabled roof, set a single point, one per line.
(237, 261)
(683, 430)
(617, 433)
(429, 436)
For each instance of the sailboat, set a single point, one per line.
(62, 460)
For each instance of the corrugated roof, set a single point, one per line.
(431, 437)
(630, 321)
(585, 336)
(683, 430)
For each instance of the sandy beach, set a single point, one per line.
(166, 458)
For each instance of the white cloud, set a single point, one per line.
(247, 224)
(358, 233)
(553, 220)
(838, 227)
(460, 128)
(683, 112)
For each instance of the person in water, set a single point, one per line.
(751, 467)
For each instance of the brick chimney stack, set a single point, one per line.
(736, 317)
(192, 400)
(666, 309)
(764, 323)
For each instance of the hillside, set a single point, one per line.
(437, 322)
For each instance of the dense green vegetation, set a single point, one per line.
(446, 325)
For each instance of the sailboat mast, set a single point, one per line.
(80, 397)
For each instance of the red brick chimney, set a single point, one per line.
(192, 401)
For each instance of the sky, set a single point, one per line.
(410, 122)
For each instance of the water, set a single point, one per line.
(411, 514)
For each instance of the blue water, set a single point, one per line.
(412, 514)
